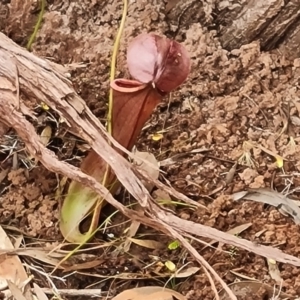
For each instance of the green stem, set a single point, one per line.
(113, 65)
(37, 25)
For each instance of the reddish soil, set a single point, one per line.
(231, 97)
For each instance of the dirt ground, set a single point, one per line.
(230, 97)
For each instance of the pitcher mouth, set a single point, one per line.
(127, 85)
(131, 86)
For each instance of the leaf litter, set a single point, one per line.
(280, 201)
(14, 281)
(148, 293)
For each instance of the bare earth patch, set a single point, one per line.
(233, 96)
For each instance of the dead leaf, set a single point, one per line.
(230, 174)
(147, 162)
(46, 135)
(273, 270)
(239, 229)
(38, 254)
(295, 120)
(247, 289)
(18, 241)
(149, 293)
(15, 291)
(162, 196)
(151, 244)
(187, 272)
(11, 268)
(83, 147)
(272, 198)
(39, 292)
(242, 276)
(134, 227)
(234, 231)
